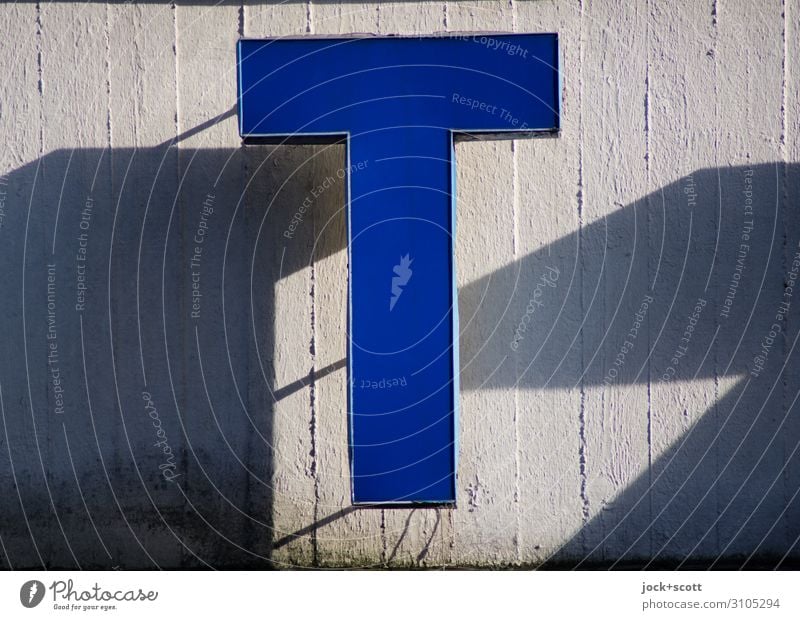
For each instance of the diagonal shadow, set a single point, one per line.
(704, 451)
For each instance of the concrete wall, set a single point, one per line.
(595, 427)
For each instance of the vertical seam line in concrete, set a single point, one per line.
(108, 79)
(714, 35)
(109, 126)
(109, 132)
(139, 63)
(784, 202)
(515, 202)
(384, 543)
(312, 391)
(514, 242)
(649, 342)
(648, 125)
(582, 462)
(177, 74)
(40, 83)
(40, 76)
(313, 406)
(309, 17)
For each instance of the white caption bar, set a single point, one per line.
(388, 595)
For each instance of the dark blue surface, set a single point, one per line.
(399, 101)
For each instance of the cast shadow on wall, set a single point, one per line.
(139, 382)
(700, 401)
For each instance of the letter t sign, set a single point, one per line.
(398, 103)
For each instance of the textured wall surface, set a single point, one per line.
(626, 292)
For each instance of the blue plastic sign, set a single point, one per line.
(399, 103)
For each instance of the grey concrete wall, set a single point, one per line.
(595, 428)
